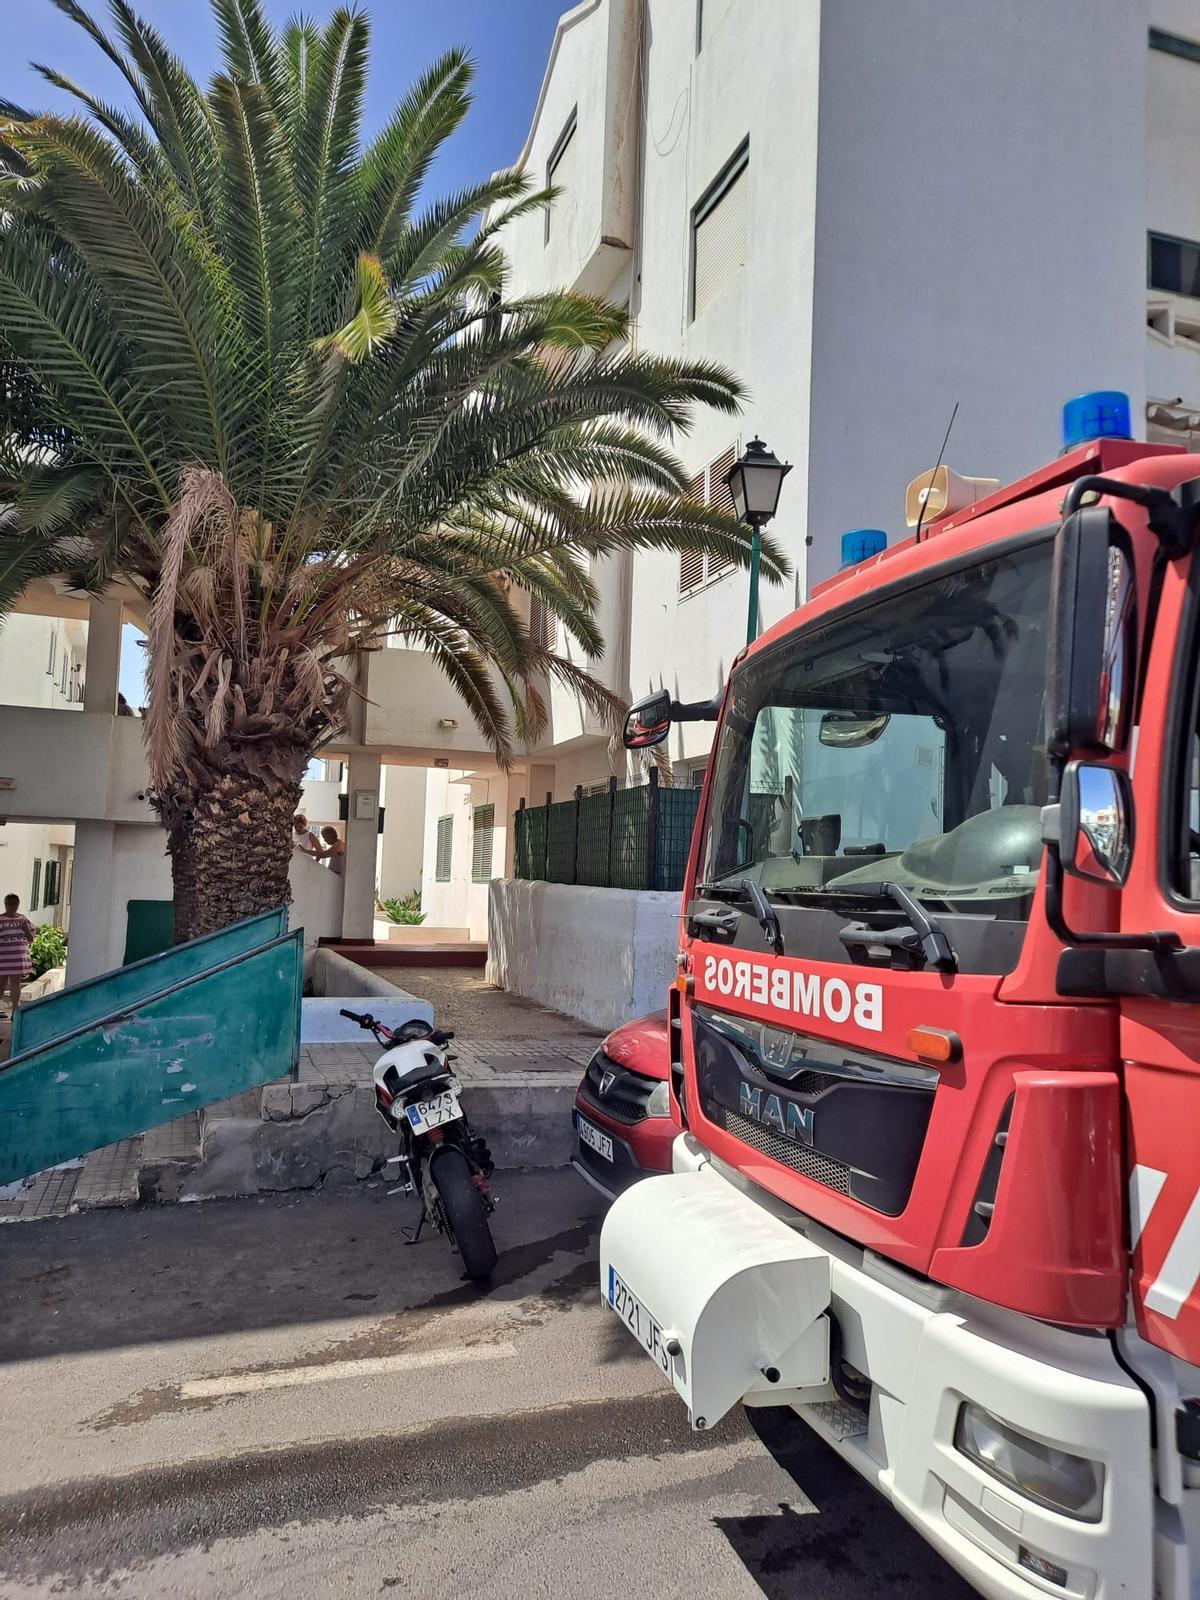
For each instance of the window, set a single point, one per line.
(50, 896)
(53, 652)
(481, 844)
(1172, 45)
(1173, 265)
(445, 846)
(719, 233)
(710, 489)
(36, 890)
(560, 170)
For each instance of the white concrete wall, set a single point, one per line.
(980, 237)
(402, 847)
(316, 900)
(602, 955)
(90, 766)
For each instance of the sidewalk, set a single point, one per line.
(518, 1063)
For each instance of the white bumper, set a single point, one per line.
(726, 1298)
(926, 1351)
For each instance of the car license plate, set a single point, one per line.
(426, 1114)
(638, 1320)
(595, 1140)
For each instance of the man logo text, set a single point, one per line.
(791, 991)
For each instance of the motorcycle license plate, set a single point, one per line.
(426, 1114)
(637, 1319)
(595, 1140)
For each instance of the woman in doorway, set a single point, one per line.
(334, 851)
(16, 936)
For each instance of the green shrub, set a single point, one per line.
(49, 949)
(408, 910)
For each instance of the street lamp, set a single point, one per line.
(754, 481)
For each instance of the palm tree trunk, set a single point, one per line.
(183, 878)
(235, 852)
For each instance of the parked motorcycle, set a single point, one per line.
(440, 1159)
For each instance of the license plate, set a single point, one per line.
(595, 1140)
(638, 1320)
(426, 1114)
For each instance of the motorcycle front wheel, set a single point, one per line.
(465, 1212)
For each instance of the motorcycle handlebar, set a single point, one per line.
(362, 1019)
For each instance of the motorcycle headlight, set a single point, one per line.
(659, 1103)
(1054, 1478)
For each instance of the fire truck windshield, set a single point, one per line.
(901, 741)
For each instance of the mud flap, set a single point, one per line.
(725, 1298)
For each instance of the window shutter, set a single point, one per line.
(691, 562)
(481, 844)
(34, 901)
(709, 489)
(719, 240)
(720, 499)
(543, 624)
(445, 845)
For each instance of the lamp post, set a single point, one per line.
(754, 481)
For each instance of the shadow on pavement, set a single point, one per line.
(107, 1279)
(855, 1544)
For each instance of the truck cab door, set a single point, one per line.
(1159, 992)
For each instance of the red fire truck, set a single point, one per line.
(935, 1040)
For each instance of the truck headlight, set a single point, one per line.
(1067, 1483)
(659, 1103)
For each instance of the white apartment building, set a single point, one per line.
(871, 212)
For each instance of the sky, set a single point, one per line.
(508, 39)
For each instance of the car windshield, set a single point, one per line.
(901, 743)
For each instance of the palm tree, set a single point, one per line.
(248, 374)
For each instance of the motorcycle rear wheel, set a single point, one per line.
(465, 1213)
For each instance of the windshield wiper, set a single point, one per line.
(768, 919)
(932, 943)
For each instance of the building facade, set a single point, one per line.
(872, 214)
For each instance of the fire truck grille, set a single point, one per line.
(799, 1157)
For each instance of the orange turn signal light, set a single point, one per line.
(935, 1045)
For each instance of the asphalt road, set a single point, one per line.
(280, 1399)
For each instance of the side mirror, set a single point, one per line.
(1093, 644)
(846, 730)
(648, 721)
(1096, 823)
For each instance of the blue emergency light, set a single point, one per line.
(860, 544)
(1099, 414)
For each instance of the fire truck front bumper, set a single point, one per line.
(1022, 1452)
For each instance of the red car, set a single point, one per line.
(623, 1125)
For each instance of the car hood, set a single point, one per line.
(641, 1045)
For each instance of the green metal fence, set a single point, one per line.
(634, 838)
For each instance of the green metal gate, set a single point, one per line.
(149, 1042)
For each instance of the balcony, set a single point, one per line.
(89, 767)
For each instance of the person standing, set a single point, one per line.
(305, 840)
(334, 852)
(16, 937)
